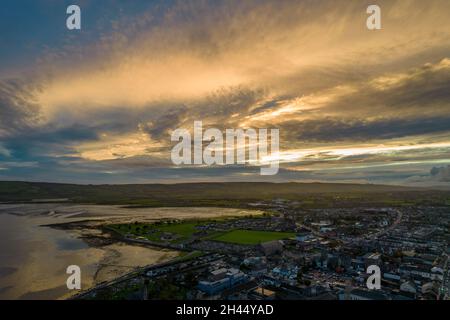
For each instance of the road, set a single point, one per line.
(140, 271)
(391, 227)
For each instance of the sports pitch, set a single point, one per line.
(251, 237)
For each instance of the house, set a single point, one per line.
(361, 294)
(391, 276)
(256, 266)
(430, 290)
(372, 259)
(358, 265)
(322, 223)
(288, 273)
(415, 271)
(304, 236)
(437, 273)
(408, 287)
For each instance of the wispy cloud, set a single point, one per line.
(105, 100)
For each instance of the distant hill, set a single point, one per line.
(156, 194)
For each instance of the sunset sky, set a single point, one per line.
(98, 105)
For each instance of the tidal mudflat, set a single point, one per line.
(36, 248)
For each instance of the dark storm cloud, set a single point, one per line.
(427, 86)
(416, 102)
(163, 120)
(417, 89)
(47, 142)
(332, 129)
(216, 109)
(226, 102)
(441, 173)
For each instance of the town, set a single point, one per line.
(292, 253)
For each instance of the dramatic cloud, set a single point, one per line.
(351, 104)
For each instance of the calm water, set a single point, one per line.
(33, 259)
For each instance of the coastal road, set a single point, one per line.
(139, 271)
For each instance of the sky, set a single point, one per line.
(352, 105)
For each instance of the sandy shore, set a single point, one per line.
(39, 241)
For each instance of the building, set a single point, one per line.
(304, 236)
(360, 294)
(271, 247)
(261, 293)
(408, 287)
(372, 259)
(222, 279)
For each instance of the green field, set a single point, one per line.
(251, 237)
(184, 229)
(153, 232)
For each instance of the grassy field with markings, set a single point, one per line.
(251, 237)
